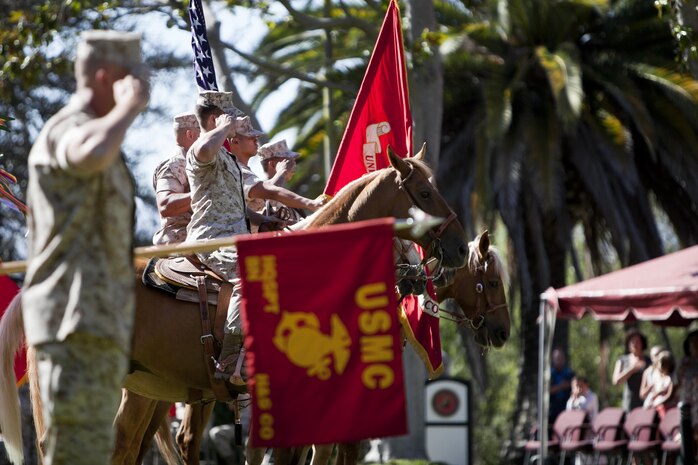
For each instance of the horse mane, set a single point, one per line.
(348, 194)
(474, 261)
(343, 199)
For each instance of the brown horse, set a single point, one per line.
(167, 354)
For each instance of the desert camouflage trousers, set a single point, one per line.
(225, 263)
(80, 381)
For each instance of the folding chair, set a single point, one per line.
(641, 429)
(605, 426)
(608, 429)
(567, 427)
(576, 437)
(669, 428)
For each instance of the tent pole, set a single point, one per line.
(542, 418)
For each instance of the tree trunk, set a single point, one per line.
(533, 271)
(605, 335)
(426, 78)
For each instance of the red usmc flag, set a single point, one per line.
(323, 336)
(381, 115)
(420, 318)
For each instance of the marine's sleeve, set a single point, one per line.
(249, 180)
(170, 176)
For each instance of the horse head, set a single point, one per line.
(446, 241)
(478, 288)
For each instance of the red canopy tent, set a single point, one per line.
(663, 290)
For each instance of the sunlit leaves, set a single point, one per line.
(563, 69)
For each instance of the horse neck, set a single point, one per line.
(364, 199)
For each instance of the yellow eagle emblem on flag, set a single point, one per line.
(298, 335)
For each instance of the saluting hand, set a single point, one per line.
(133, 92)
(226, 120)
(286, 167)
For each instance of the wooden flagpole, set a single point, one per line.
(419, 224)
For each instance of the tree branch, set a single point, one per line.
(311, 22)
(286, 71)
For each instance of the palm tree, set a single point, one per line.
(565, 113)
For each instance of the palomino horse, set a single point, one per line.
(167, 353)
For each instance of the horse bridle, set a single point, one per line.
(434, 235)
(478, 320)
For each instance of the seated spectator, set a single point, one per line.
(583, 398)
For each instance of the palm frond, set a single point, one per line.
(563, 70)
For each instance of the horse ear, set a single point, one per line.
(422, 152)
(397, 162)
(483, 244)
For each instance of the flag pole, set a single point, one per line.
(418, 223)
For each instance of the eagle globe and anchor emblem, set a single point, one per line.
(298, 335)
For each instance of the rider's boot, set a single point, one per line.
(231, 363)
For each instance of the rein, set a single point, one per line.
(434, 235)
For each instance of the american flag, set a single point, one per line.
(203, 63)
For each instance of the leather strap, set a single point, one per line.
(224, 296)
(218, 385)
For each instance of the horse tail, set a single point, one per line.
(11, 340)
(37, 404)
(166, 445)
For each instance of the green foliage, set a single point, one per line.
(30, 28)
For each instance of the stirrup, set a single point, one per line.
(236, 377)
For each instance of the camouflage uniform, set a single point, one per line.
(254, 204)
(218, 193)
(170, 176)
(81, 378)
(78, 293)
(272, 207)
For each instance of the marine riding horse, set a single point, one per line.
(167, 356)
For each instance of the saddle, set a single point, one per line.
(189, 280)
